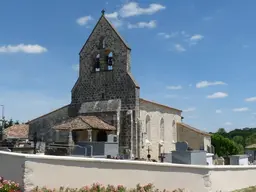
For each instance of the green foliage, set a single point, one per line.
(240, 148)
(110, 188)
(236, 139)
(9, 123)
(239, 140)
(222, 132)
(249, 189)
(224, 146)
(7, 186)
(251, 139)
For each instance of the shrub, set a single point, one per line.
(96, 187)
(9, 186)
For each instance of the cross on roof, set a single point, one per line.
(103, 12)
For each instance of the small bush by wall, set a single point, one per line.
(9, 186)
(110, 188)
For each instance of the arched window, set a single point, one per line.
(148, 129)
(162, 129)
(110, 61)
(102, 44)
(97, 63)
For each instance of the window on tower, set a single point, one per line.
(110, 61)
(97, 63)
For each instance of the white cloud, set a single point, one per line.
(75, 67)
(228, 123)
(241, 109)
(133, 9)
(114, 18)
(113, 15)
(189, 109)
(204, 84)
(167, 36)
(150, 24)
(179, 48)
(84, 20)
(218, 111)
(195, 38)
(31, 49)
(250, 99)
(217, 95)
(174, 87)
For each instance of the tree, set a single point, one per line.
(240, 148)
(239, 140)
(17, 122)
(10, 123)
(222, 131)
(251, 139)
(224, 146)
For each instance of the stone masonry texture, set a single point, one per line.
(106, 87)
(110, 94)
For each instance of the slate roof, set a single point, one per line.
(17, 131)
(85, 122)
(194, 129)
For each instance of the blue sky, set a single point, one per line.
(195, 55)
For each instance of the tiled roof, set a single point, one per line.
(194, 129)
(158, 104)
(17, 131)
(85, 122)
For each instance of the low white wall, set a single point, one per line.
(12, 166)
(53, 172)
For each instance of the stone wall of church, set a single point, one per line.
(155, 114)
(117, 83)
(42, 125)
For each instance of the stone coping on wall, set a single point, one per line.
(101, 160)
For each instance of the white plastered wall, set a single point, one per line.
(170, 131)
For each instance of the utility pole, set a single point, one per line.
(3, 123)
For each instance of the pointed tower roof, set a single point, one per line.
(108, 22)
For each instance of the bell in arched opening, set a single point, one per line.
(110, 61)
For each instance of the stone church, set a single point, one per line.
(106, 100)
